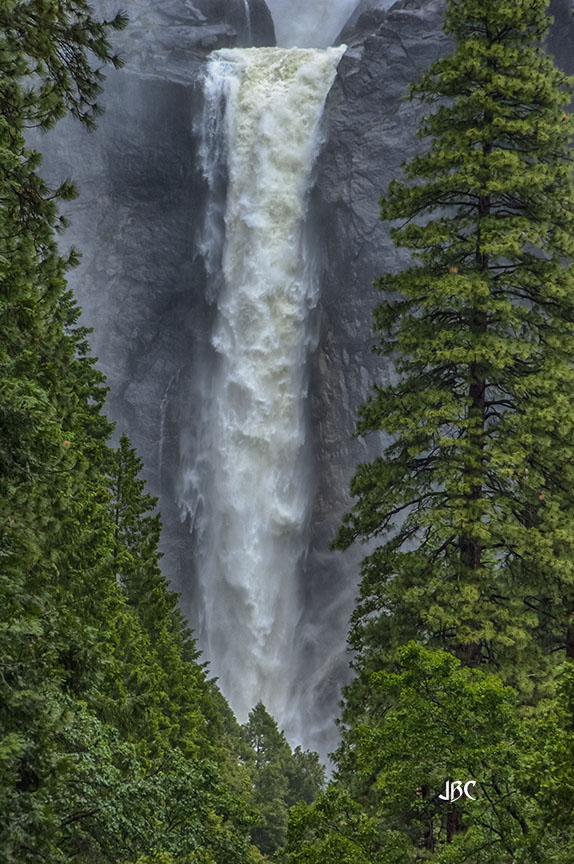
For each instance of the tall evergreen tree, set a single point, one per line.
(109, 745)
(52, 432)
(137, 530)
(280, 778)
(472, 495)
(468, 510)
(439, 720)
(184, 702)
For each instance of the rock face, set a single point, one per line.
(369, 127)
(143, 284)
(367, 16)
(168, 38)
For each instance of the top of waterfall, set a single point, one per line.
(309, 23)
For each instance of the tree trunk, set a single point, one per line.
(453, 824)
(470, 547)
(570, 636)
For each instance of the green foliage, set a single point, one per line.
(49, 52)
(99, 803)
(52, 437)
(468, 511)
(437, 720)
(431, 721)
(155, 651)
(305, 776)
(280, 778)
(471, 497)
(113, 744)
(335, 829)
(550, 778)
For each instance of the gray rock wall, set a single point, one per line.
(369, 128)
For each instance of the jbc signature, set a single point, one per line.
(457, 789)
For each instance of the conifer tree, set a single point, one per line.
(280, 778)
(468, 510)
(137, 532)
(106, 720)
(183, 699)
(470, 506)
(52, 432)
(270, 784)
(440, 720)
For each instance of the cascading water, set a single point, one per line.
(262, 115)
(248, 20)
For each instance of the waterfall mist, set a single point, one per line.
(309, 23)
(248, 487)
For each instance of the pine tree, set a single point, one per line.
(106, 720)
(52, 432)
(52, 59)
(183, 702)
(270, 784)
(441, 720)
(137, 530)
(470, 505)
(280, 778)
(468, 510)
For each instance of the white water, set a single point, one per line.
(248, 20)
(253, 469)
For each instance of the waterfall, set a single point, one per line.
(252, 474)
(248, 21)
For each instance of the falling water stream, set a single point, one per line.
(248, 20)
(261, 128)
